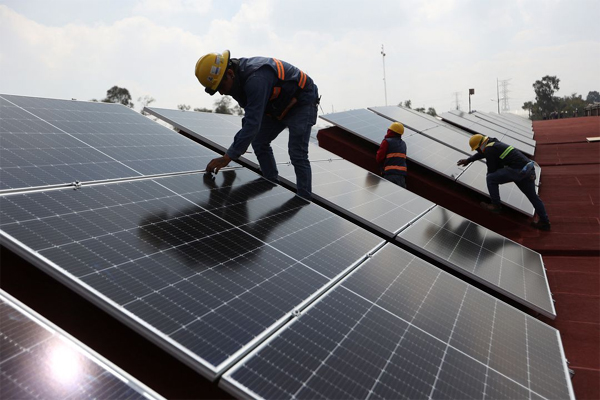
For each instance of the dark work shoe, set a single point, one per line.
(541, 225)
(495, 208)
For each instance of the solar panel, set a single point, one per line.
(420, 149)
(205, 268)
(485, 128)
(39, 360)
(51, 142)
(398, 327)
(483, 255)
(363, 196)
(426, 125)
(514, 127)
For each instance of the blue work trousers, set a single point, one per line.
(299, 122)
(525, 181)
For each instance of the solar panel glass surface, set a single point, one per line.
(475, 251)
(49, 142)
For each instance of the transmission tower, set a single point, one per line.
(457, 100)
(504, 89)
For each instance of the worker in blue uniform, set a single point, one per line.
(507, 164)
(274, 95)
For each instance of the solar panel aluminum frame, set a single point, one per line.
(82, 348)
(149, 332)
(551, 315)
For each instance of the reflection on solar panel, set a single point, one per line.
(205, 267)
(474, 177)
(400, 328)
(477, 125)
(218, 130)
(366, 197)
(39, 360)
(363, 196)
(52, 142)
(475, 251)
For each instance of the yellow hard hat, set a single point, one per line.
(476, 141)
(210, 69)
(397, 127)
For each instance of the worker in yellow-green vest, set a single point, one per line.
(507, 164)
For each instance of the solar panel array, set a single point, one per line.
(209, 268)
(39, 360)
(371, 199)
(423, 150)
(431, 154)
(203, 266)
(398, 327)
(478, 125)
(377, 203)
(426, 125)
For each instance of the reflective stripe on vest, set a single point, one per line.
(505, 153)
(281, 77)
(401, 155)
(389, 167)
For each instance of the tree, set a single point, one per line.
(407, 104)
(420, 109)
(118, 95)
(592, 97)
(529, 106)
(431, 111)
(544, 93)
(203, 110)
(183, 107)
(237, 110)
(145, 101)
(222, 105)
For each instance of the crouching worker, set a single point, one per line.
(392, 155)
(274, 95)
(507, 164)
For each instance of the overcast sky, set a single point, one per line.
(80, 48)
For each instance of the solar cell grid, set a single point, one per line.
(39, 360)
(484, 255)
(52, 142)
(208, 267)
(398, 327)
